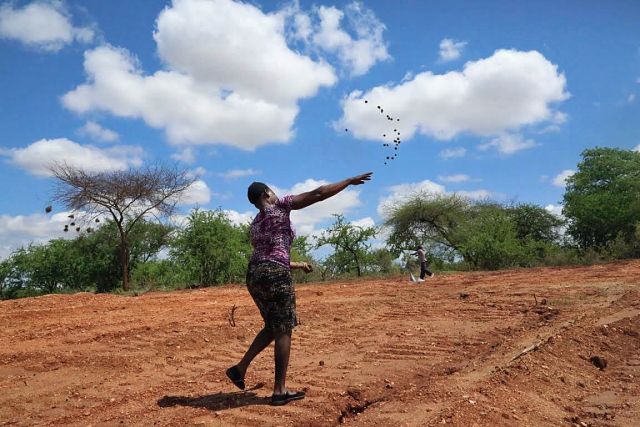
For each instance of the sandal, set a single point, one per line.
(283, 399)
(234, 375)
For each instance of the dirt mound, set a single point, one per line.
(546, 346)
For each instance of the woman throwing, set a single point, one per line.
(269, 277)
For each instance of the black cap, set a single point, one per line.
(255, 190)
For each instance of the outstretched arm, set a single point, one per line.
(323, 192)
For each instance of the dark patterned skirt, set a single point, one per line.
(271, 288)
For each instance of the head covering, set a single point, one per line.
(255, 190)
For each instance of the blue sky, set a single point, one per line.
(496, 99)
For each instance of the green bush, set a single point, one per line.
(211, 250)
(158, 275)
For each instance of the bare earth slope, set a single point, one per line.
(374, 352)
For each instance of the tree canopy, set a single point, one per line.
(602, 199)
(350, 244)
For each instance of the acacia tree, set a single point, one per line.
(125, 196)
(349, 243)
(435, 219)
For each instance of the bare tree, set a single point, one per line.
(126, 196)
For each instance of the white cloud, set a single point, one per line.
(554, 209)
(561, 179)
(20, 230)
(451, 49)
(43, 25)
(302, 26)
(631, 98)
(558, 119)
(186, 155)
(306, 220)
(238, 173)
(365, 222)
(197, 194)
(454, 178)
(450, 153)
(358, 54)
(489, 97)
(39, 156)
(240, 218)
(98, 133)
(637, 148)
(197, 172)
(401, 193)
(229, 77)
(508, 144)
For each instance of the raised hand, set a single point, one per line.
(360, 179)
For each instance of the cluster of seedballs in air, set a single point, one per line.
(395, 144)
(72, 222)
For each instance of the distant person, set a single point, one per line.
(424, 267)
(269, 277)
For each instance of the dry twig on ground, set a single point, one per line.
(232, 320)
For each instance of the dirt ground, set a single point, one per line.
(372, 352)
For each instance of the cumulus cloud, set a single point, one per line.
(21, 230)
(357, 54)
(450, 153)
(554, 209)
(454, 178)
(365, 222)
(561, 179)
(306, 220)
(228, 78)
(42, 25)
(508, 144)
(637, 148)
(197, 194)
(38, 157)
(240, 218)
(451, 49)
(238, 173)
(98, 133)
(493, 96)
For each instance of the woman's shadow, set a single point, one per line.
(218, 401)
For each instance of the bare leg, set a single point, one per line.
(282, 351)
(260, 342)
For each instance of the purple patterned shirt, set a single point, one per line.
(272, 233)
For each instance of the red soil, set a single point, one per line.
(374, 352)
